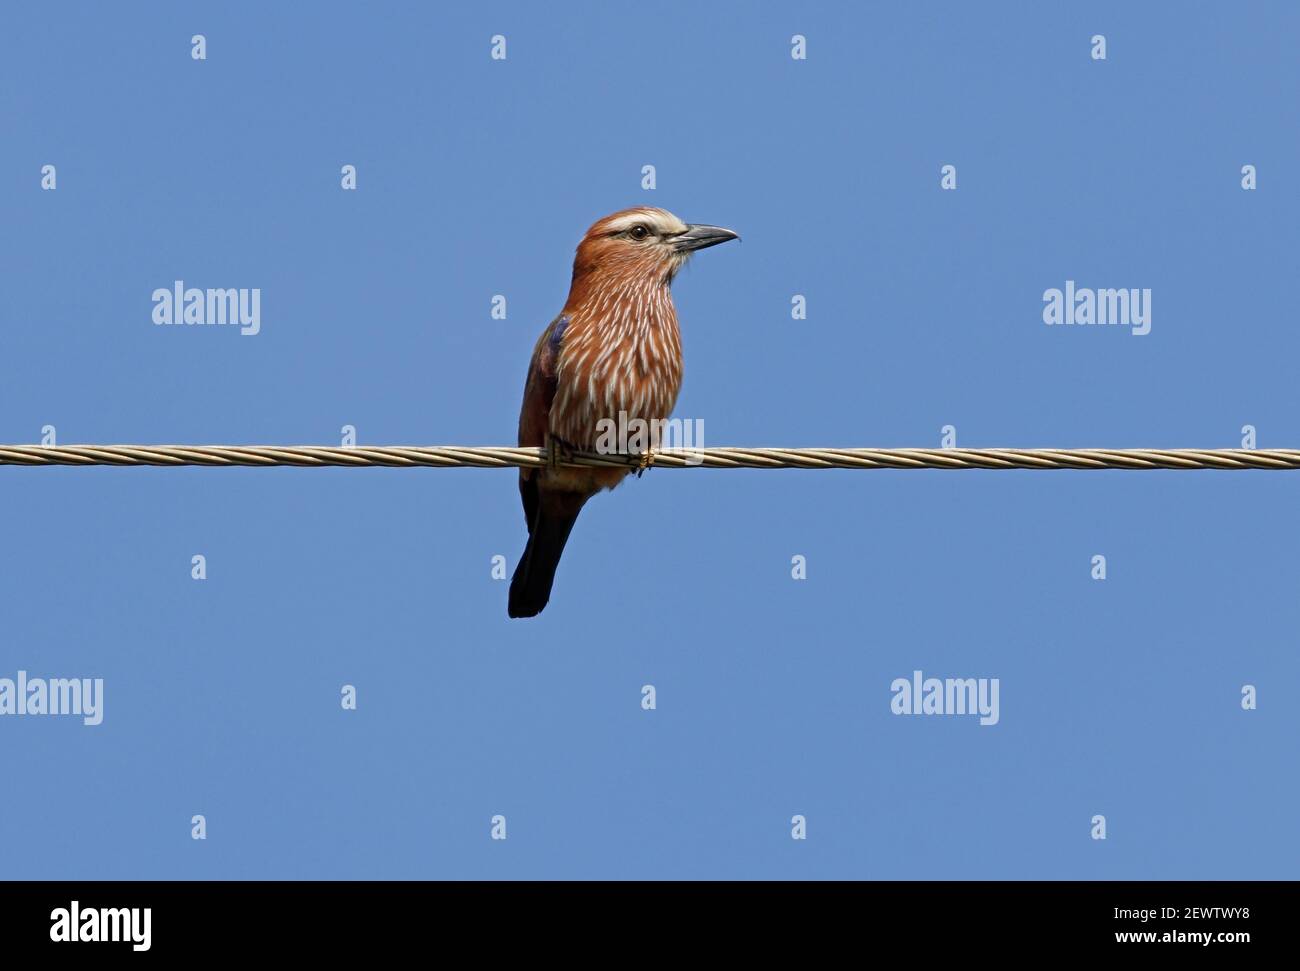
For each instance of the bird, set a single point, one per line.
(613, 351)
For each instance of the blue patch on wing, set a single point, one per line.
(557, 333)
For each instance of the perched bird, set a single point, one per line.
(614, 348)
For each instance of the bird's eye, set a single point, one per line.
(638, 232)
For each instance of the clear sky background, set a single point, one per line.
(477, 177)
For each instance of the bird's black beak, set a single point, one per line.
(701, 237)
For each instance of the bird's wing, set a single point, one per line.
(539, 389)
(535, 412)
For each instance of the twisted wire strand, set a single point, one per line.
(495, 457)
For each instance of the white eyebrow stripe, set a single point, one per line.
(660, 221)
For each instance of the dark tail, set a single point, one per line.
(530, 588)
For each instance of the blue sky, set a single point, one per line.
(477, 177)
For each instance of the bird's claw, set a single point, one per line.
(558, 452)
(643, 461)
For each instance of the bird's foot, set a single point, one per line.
(558, 452)
(643, 461)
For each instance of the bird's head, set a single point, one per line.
(643, 245)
